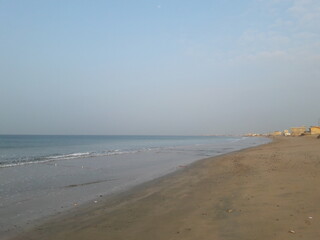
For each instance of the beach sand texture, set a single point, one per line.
(267, 192)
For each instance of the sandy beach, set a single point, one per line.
(266, 192)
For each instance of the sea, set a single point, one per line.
(17, 150)
(45, 175)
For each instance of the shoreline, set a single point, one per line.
(220, 197)
(33, 193)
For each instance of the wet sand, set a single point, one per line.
(266, 192)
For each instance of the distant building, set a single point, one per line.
(276, 133)
(286, 133)
(252, 134)
(298, 131)
(315, 130)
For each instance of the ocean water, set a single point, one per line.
(18, 150)
(41, 176)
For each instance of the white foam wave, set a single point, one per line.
(22, 163)
(71, 156)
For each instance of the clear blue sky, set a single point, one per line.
(158, 66)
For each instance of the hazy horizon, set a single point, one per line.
(158, 67)
(164, 135)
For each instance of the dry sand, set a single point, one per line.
(266, 192)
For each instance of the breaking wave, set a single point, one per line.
(57, 157)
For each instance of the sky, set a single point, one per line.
(158, 67)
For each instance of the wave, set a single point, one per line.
(16, 161)
(57, 157)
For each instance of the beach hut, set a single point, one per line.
(298, 131)
(276, 133)
(315, 130)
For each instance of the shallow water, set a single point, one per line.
(32, 191)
